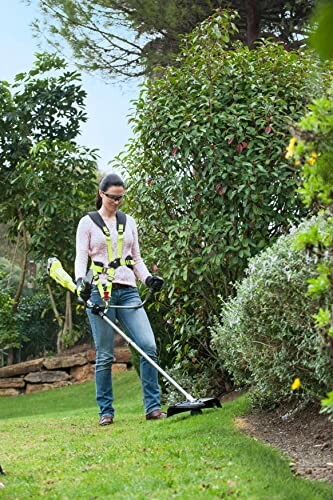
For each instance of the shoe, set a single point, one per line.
(105, 420)
(155, 415)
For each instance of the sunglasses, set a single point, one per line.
(114, 197)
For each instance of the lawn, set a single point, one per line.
(51, 446)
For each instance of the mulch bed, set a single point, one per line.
(306, 436)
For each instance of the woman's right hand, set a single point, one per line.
(83, 289)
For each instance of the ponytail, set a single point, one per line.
(98, 201)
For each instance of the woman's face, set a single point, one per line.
(112, 196)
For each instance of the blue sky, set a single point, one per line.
(107, 105)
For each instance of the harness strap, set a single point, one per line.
(98, 267)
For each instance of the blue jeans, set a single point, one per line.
(137, 326)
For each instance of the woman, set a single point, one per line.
(92, 242)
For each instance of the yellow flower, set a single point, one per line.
(312, 159)
(296, 384)
(291, 148)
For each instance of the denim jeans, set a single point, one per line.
(137, 326)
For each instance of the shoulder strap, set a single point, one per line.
(121, 220)
(97, 219)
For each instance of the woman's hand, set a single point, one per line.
(155, 283)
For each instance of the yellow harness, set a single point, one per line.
(98, 267)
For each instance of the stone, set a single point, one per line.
(64, 361)
(82, 373)
(21, 368)
(46, 377)
(119, 341)
(91, 355)
(45, 387)
(9, 392)
(122, 355)
(6, 383)
(119, 367)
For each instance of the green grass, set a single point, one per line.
(51, 446)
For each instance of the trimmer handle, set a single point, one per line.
(56, 271)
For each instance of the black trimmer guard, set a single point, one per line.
(194, 407)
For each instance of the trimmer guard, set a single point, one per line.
(194, 407)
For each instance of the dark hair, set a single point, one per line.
(106, 182)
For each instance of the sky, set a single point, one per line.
(107, 104)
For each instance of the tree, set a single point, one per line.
(207, 166)
(47, 179)
(128, 38)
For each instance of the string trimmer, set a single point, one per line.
(56, 272)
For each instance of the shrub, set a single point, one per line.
(207, 166)
(266, 336)
(9, 333)
(39, 330)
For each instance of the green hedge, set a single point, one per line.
(266, 336)
(208, 181)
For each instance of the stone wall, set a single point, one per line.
(58, 371)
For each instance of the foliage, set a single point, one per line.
(321, 36)
(313, 150)
(61, 194)
(9, 333)
(48, 180)
(8, 247)
(63, 454)
(38, 330)
(128, 38)
(327, 404)
(40, 116)
(208, 180)
(280, 20)
(12, 273)
(39, 120)
(266, 335)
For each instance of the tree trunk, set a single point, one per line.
(68, 324)
(58, 318)
(64, 326)
(252, 21)
(10, 357)
(69, 312)
(54, 307)
(19, 290)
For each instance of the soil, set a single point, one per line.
(305, 436)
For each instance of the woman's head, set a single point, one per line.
(110, 186)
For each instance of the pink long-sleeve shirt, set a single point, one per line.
(91, 242)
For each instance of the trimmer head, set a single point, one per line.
(194, 407)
